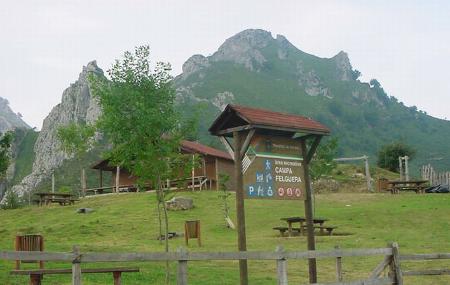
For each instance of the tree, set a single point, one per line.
(77, 139)
(323, 163)
(388, 155)
(5, 153)
(11, 199)
(140, 121)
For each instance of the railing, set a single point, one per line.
(391, 261)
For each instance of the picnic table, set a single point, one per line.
(45, 198)
(318, 223)
(36, 275)
(395, 186)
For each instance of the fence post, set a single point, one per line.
(281, 267)
(76, 266)
(182, 276)
(396, 270)
(338, 266)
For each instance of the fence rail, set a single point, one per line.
(435, 178)
(391, 261)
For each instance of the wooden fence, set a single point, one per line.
(390, 262)
(435, 178)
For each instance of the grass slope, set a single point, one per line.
(25, 140)
(128, 223)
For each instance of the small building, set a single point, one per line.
(213, 162)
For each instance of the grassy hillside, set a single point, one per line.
(127, 222)
(24, 140)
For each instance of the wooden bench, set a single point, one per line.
(322, 229)
(282, 230)
(37, 275)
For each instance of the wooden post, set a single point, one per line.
(309, 215)
(281, 267)
(100, 178)
(83, 175)
(240, 212)
(406, 168)
(396, 264)
(400, 167)
(338, 266)
(76, 266)
(193, 172)
(53, 182)
(368, 178)
(217, 174)
(182, 276)
(117, 178)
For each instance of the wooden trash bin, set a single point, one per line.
(29, 243)
(383, 184)
(192, 230)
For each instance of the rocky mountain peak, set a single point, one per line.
(8, 119)
(193, 64)
(343, 65)
(244, 48)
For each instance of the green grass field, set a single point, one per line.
(128, 223)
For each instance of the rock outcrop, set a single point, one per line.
(8, 119)
(77, 105)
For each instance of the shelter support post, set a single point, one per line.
(117, 178)
(309, 214)
(240, 212)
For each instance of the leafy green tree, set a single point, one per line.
(323, 163)
(5, 159)
(76, 139)
(388, 155)
(5, 153)
(141, 123)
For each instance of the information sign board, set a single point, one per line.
(276, 169)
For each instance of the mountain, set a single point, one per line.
(252, 68)
(77, 105)
(8, 119)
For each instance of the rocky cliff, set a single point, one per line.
(8, 119)
(77, 105)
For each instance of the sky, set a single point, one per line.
(44, 44)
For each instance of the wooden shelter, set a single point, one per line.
(247, 126)
(205, 175)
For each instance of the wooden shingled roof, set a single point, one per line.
(235, 116)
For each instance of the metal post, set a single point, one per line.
(309, 215)
(240, 212)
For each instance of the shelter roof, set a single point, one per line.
(186, 146)
(235, 116)
(195, 147)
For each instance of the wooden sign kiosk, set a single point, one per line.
(271, 153)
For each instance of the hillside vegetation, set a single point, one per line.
(128, 223)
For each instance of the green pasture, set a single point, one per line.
(128, 223)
